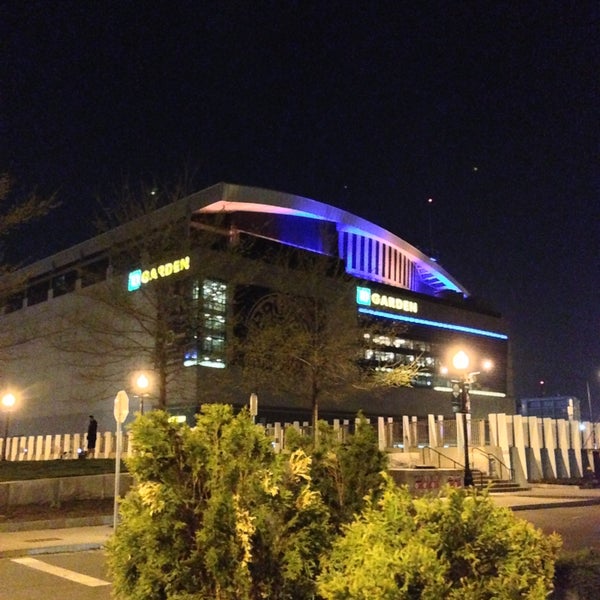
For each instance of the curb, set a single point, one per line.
(16, 553)
(562, 504)
(61, 523)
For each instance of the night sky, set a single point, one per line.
(489, 108)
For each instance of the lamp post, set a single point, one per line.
(461, 363)
(142, 382)
(8, 401)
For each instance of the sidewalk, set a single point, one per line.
(548, 495)
(91, 533)
(30, 542)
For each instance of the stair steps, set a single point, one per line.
(494, 485)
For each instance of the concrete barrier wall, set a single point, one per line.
(427, 481)
(54, 491)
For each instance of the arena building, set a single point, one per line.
(63, 370)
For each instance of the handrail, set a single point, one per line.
(454, 462)
(490, 455)
(459, 465)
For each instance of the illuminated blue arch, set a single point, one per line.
(369, 251)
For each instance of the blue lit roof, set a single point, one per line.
(226, 197)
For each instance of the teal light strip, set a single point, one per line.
(440, 325)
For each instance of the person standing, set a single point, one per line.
(91, 435)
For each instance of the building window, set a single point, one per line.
(207, 346)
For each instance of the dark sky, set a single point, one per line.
(489, 108)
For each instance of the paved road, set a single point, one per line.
(68, 576)
(579, 526)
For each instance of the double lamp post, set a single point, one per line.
(462, 403)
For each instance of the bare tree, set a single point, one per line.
(16, 212)
(156, 327)
(304, 338)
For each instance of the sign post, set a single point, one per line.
(121, 411)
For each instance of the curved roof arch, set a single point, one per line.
(226, 197)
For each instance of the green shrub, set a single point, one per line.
(214, 513)
(344, 472)
(461, 546)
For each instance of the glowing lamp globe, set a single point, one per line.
(460, 360)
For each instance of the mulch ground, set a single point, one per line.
(74, 508)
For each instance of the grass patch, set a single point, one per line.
(42, 469)
(577, 575)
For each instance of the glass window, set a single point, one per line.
(208, 339)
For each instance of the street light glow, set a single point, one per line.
(461, 360)
(9, 400)
(142, 382)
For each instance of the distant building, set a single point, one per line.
(424, 312)
(552, 407)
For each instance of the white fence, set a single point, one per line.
(530, 447)
(65, 446)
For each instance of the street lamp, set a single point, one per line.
(8, 401)
(142, 382)
(461, 362)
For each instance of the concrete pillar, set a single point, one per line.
(12, 448)
(480, 433)
(587, 435)
(563, 449)
(381, 438)
(21, 442)
(493, 424)
(108, 444)
(534, 468)
(406, 434)
(77, 447)
(432, 431)
(576, 447)
(390, 432)
(279, 437)
(29, 450)
(67, 445)
(550, 446)
(440, 431)
(39, 447)
(57, 447)
(519, 443)
(48, 447)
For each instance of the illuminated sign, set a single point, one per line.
(366, 297)
(140, 277)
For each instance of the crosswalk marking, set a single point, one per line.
(34, 563)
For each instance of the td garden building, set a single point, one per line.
(82, 324)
